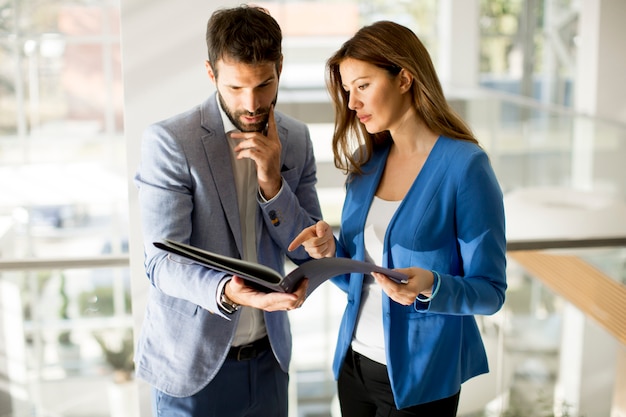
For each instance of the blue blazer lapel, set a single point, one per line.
(215, 143)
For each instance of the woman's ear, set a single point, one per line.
(406, 80)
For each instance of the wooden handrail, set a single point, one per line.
(586, 287)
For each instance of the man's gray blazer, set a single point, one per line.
(187, 193)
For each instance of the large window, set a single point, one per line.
(64, 283)
(528, 48)
(61, 151)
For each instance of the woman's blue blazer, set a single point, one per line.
(451, 221)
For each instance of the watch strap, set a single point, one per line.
(226, 303)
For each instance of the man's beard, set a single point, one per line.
(235, 116)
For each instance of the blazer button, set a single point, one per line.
(274, 218)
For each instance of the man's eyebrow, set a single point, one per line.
(264, 82)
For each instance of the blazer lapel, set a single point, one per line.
(218, 154)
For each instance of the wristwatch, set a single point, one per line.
(227, 304)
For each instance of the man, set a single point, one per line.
(234, 177)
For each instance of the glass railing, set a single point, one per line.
(67, 338)
(564, 334)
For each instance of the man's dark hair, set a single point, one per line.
(246, 34)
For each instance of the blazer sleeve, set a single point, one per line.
(480, 229)
(166, 202)
(296, 206)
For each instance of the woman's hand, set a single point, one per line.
(317, 240)
(420, 282)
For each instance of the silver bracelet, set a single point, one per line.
(437, 284)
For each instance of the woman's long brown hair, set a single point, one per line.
(392, 47)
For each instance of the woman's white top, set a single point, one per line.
(369, 338)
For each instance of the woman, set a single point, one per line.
(421, 197)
